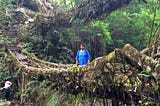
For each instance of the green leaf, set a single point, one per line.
(145, 74)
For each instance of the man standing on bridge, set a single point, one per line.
(83, 57)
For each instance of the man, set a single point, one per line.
(6, 87)
(83, 57)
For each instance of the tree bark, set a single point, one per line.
(108, 74)
(86, 11)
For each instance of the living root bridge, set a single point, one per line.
(113, 75)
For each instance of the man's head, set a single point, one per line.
(8, 82)
(82, 47)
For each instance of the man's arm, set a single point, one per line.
(76, 62)
(77, 56)
(88, 61)
(89, 57)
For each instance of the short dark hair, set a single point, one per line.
(82, 44)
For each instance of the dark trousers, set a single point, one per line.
(7, 94)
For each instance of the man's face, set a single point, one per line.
(81, 47)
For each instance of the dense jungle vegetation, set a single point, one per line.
(137, 24)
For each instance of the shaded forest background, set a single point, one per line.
(136, 24)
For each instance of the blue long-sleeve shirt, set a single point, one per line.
(82, 57)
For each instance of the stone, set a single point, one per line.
(157, 68)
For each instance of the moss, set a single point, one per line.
(148, 61)
(75, 69)
(111, 56)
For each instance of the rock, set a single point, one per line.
(145, 51)
(6, 103)
(157, 68)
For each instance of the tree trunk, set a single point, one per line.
(86, 11)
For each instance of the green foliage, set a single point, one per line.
(145, 74)
(33, 43)
(53, 100)
(2, 40)
(104, 27)
(78, 100)
(64, 3)
(60, 45)
(51, 47)
(5, 6)
(149, 103)
(3, 70)
(128, 25)
(38, 89)
(133, 24)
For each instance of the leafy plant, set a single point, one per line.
(104, 27)
(132, 24)
(3, 70)
(53, 99)
(5, 6)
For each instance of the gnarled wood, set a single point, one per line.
(86, 11)
(103, 74)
